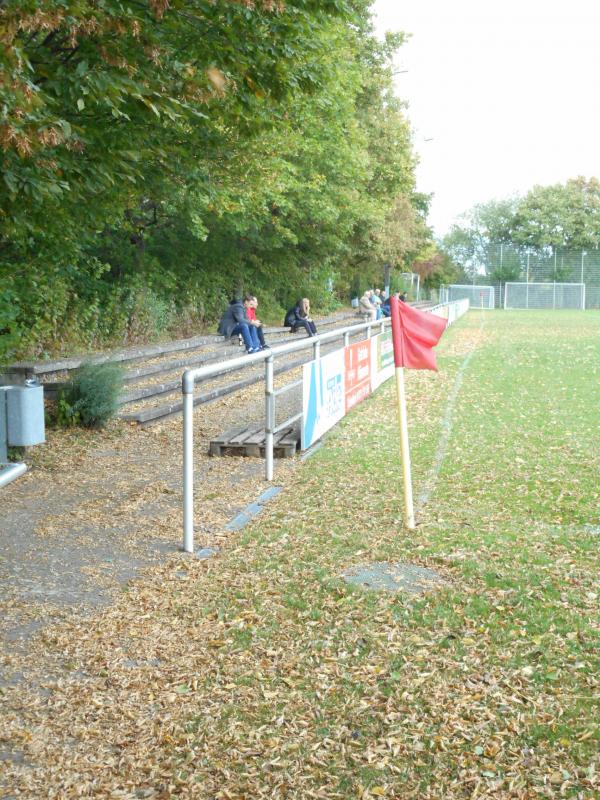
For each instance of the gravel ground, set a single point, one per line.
(96, 508)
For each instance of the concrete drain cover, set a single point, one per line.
(595, 529)
(388, 577)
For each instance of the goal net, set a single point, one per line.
(478, 296)
(544, 295)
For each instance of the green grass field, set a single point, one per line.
(483, 689)
(262, 674)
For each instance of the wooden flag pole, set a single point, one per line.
(414, 334)
(409, 514)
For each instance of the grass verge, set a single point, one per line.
(263, 674)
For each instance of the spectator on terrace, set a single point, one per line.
(376, 301)
(299, 317)
(366, 307)
(234, 321)
(385, 306)
(251, 304)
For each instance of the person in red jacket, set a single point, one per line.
(251, 304)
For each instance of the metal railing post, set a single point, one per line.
(189, 378)
(188, 471)
(316, 350)
(269, 418)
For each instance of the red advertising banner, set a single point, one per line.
(358, 373)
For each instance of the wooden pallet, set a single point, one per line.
(249, 440)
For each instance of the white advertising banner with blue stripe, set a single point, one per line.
(326, 385)
(322, 396)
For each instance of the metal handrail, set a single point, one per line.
(190, 376)
(290, 420)
(288, 387)
(287, 422)
(188, 381)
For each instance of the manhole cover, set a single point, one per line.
(388, 577)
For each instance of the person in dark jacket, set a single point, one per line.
(299, 317)
(234, 321)
(385, 306)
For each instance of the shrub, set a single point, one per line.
(93, 396)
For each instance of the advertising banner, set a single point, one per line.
(358, 372)
(340, 380)
(441, 311)
(322, 396)
(382, 359)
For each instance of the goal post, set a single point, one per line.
(478, 296)
(549, 296)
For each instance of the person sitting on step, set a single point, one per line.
(299, 317)
(251, 304)
(366, 307)
(234, 321)
(376, 301)
(385, 306)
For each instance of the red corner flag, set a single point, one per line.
(414, 333)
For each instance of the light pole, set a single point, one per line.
(386, 278)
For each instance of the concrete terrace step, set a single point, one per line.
(151, 390)
(158, 413)
(44, 368)
(58, 367)
(154, 371)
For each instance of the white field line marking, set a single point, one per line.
(440, 453)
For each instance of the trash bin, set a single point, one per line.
(25, 414)
(354, 302)
(21, 424)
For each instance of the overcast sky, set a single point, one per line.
(502, 95)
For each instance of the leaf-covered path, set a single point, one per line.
(98, 507)
(261, 673)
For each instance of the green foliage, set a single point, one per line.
(559, 216)
(92, 398)
(435, 270)
(9, 312)
(547, 218)
(159, 156)
(16, 454)
(468, 244)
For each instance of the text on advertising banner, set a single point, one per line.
(358, 372)
(322, 396)
(382, 359)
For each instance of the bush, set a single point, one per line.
(93, 396)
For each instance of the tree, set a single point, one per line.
(159, 154)
(404, 233)
(436, 269)
(485, 225)
(508, 239)
(566, 216)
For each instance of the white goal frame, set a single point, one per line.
(479, 297)
(544, 296)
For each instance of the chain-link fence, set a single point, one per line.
(544, 295)
(478, 296)
(504, 263)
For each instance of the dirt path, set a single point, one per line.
(98, 507)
